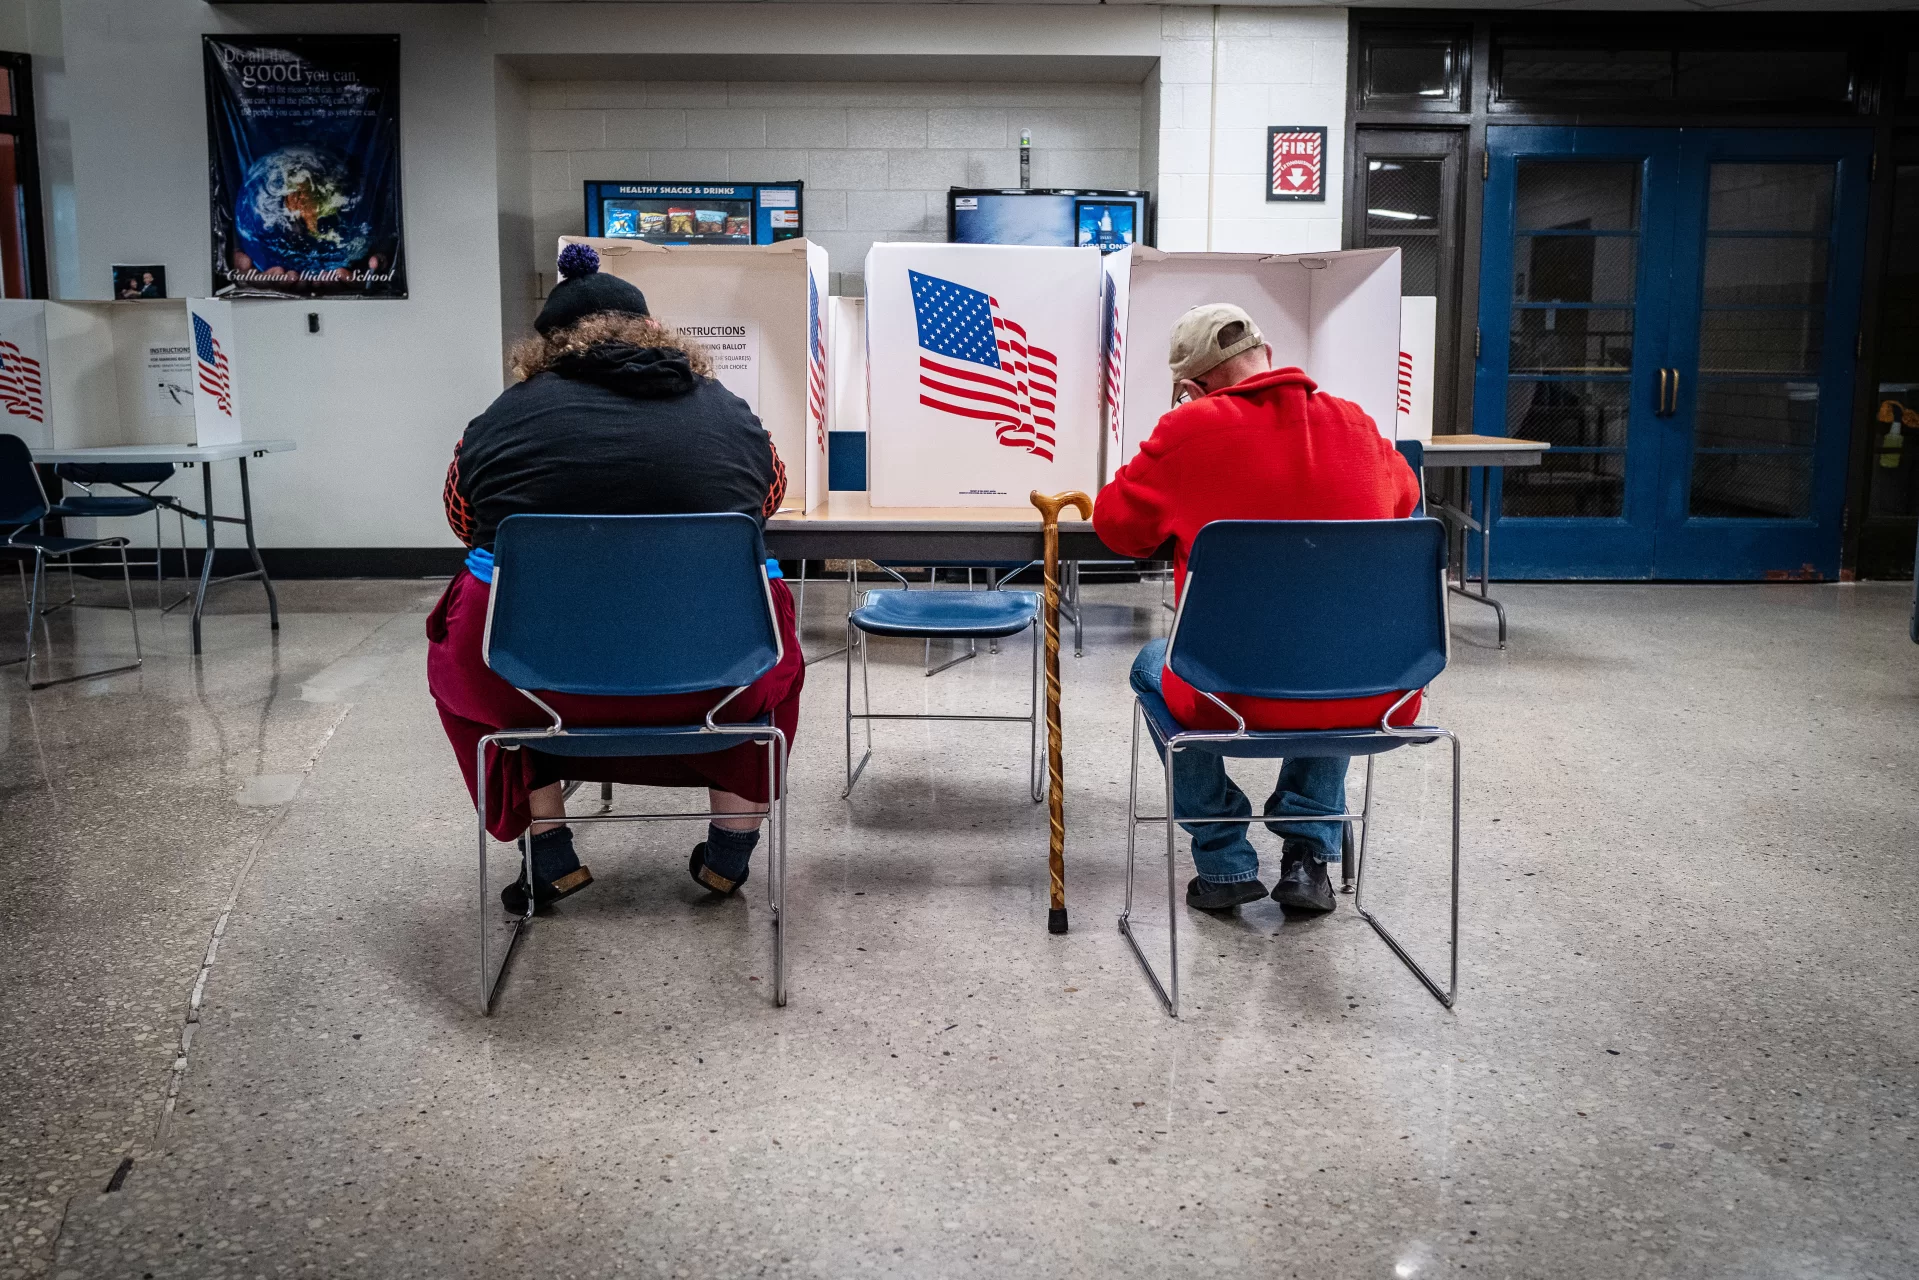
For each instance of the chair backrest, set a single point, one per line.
(1312, 608)
(630, 606)
(115, 472)
(1414, 451)
(22, 498)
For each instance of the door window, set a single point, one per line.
(1761, 334)
(1575, 254)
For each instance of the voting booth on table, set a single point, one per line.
(982, 373)
(79, 374)
(1335, 314)
(761, 311)
(846, 393)
(1418, 340)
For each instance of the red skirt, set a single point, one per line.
(474, 702)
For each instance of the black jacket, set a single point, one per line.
(612, 430)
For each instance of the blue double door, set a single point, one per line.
(1675, 312)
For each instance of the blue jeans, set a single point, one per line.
(1221, 851)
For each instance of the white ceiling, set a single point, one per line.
(1620, 6)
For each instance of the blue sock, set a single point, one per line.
(728, 852)
(553, 854)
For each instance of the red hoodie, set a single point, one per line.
(1269, 448)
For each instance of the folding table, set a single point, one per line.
(1481, 453)
(202, 456)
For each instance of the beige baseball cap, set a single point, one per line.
(1204, 338)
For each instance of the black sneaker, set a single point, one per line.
(1209, 896)
(1303, 883)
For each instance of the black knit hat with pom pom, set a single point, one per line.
(583, 291)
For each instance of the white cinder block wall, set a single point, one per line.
(876, 158)
(377, 398)
(1222, 82)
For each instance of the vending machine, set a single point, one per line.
(696, 212)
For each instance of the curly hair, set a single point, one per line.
(537, 353)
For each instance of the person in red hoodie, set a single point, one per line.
(1246, 441)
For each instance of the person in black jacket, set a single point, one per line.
(613, 414)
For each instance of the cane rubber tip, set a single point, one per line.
(1056, 920)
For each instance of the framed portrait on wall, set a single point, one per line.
(303, 140)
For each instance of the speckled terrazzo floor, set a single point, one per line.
(1687, 1042)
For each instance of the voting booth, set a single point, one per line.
(78, 374)
(846, 393)
(982, 373)
(761, 311)
(1335, 314)
(1418, 339)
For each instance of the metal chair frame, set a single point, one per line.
(774, 814)
(23, 544)
(161, 503)
(1168, 991)
(857, 639)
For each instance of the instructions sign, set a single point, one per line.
(734, 346)
(170, 381)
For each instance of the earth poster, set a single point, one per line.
(304, 144)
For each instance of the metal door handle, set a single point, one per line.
(1672, 404)
(1659, 405)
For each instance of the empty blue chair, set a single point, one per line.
(130, 501)
(1301, 609)
(23, 505)
(634, 606)
(939, 615)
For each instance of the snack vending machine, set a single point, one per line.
(696, 212)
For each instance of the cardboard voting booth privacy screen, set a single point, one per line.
(79, 374)
(1418, 336)
(1334, 314)
(761, 311)
(982, 373)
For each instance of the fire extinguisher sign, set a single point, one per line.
(1296, 162)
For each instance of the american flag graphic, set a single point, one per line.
(976, 363)
(20, 391)
(212, 363)
(1405, 382)
(815, 364)
(1115, 361)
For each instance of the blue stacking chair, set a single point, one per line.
(938, 615)
(130, 501)
(635, 607)
(23, 505)
(1301, 609)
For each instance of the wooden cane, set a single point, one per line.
(1049, 509)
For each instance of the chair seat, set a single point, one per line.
(56, 546)
(1273, 744)
(956, 614)
(644, 740)
(88, 506)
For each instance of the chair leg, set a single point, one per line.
(33, 611)
(1035, 787)
(1079, 616)
(856, 638)
(490, 978)
(133, 618)
(1168, 998)
(1172, 891)
(778, 879)
(1446, 995)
